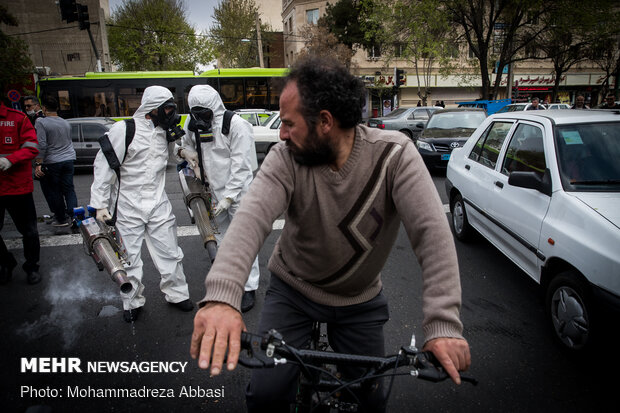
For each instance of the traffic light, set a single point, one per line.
(399, 77)
(82, 11)
(68, 10)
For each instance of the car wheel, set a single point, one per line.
(408, 133)
(460, 224)
(569, 311)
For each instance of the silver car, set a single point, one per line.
(85, 133)
(409, 121)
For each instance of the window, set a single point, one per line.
(290, 25)
(525, 152)
(312, 16)
(231, 91)
(488, 146)
(73, 57)
(471, 53)
(256, 93)
(75, 132)
(419, 114)
(399, 49)
(374, 51)
(92, 132)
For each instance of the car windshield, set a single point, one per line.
(267, 120)
(588, 156)
(456, 120)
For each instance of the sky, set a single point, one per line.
(198, 12)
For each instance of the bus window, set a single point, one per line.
(129, 100)
(256, 93)
(96, 102)
(64, 103)
(231, 91)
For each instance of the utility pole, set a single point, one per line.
(259, 41)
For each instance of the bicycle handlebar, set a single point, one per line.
(262, 352)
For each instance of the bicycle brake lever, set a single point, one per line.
(252, 356)
(429, 368)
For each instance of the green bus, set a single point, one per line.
(117, 94)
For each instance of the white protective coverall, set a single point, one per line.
(228, 161)
(144, 211)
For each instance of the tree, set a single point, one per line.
(347, 20)
(15, 63)
(234, 34)
(604, 44)
(497, 31)
(415, 31)
(155, 35)
(319, 41)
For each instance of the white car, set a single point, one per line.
(268, 133)
(518, 107)
(544, 188)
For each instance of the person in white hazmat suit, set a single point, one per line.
(228, 163)
(143, 210)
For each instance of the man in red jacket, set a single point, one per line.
(18, 147)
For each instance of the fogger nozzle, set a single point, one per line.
(106, 250)
(198, 203)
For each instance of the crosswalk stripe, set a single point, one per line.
(75, 239)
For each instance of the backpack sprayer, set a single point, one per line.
(198, 200)
(105, 245)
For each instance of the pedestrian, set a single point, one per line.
(143, 209)
(419, 103)
(54, 164)
(33, 108)
(610, 102)
(343, 189)
(18, 148)
(442, 104)
(227, 162)
(580, 102)
(535, 105)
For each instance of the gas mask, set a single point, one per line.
(201, 123)
(168, 122)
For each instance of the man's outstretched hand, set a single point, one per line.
(217, 327)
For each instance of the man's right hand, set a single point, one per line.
(191, 156)
(217, 327)
(103, 215)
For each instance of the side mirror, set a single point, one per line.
(531, 180)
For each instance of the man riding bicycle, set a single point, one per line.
(343, 189)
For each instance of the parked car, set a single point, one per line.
(552, 106)
(517, 107)
(544, 188)
(254, 116)
(406, 120)
(268, 133)
(84, 133)
(446, 130)
(491, 106)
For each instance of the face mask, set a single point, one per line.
(168, 122)
(30, 112)
(201, 123)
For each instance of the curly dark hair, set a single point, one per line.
(325, 84)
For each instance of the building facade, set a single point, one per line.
(58, 47)
(530, 78)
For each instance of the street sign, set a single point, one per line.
(14, 95)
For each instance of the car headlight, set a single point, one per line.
(424, 145)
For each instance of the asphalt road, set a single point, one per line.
(76, 313)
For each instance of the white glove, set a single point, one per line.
(103, 215)
(222, 206)
(191, 156)
(5, 164)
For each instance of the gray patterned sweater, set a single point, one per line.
(340, 227)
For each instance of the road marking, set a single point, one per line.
(76, 239)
